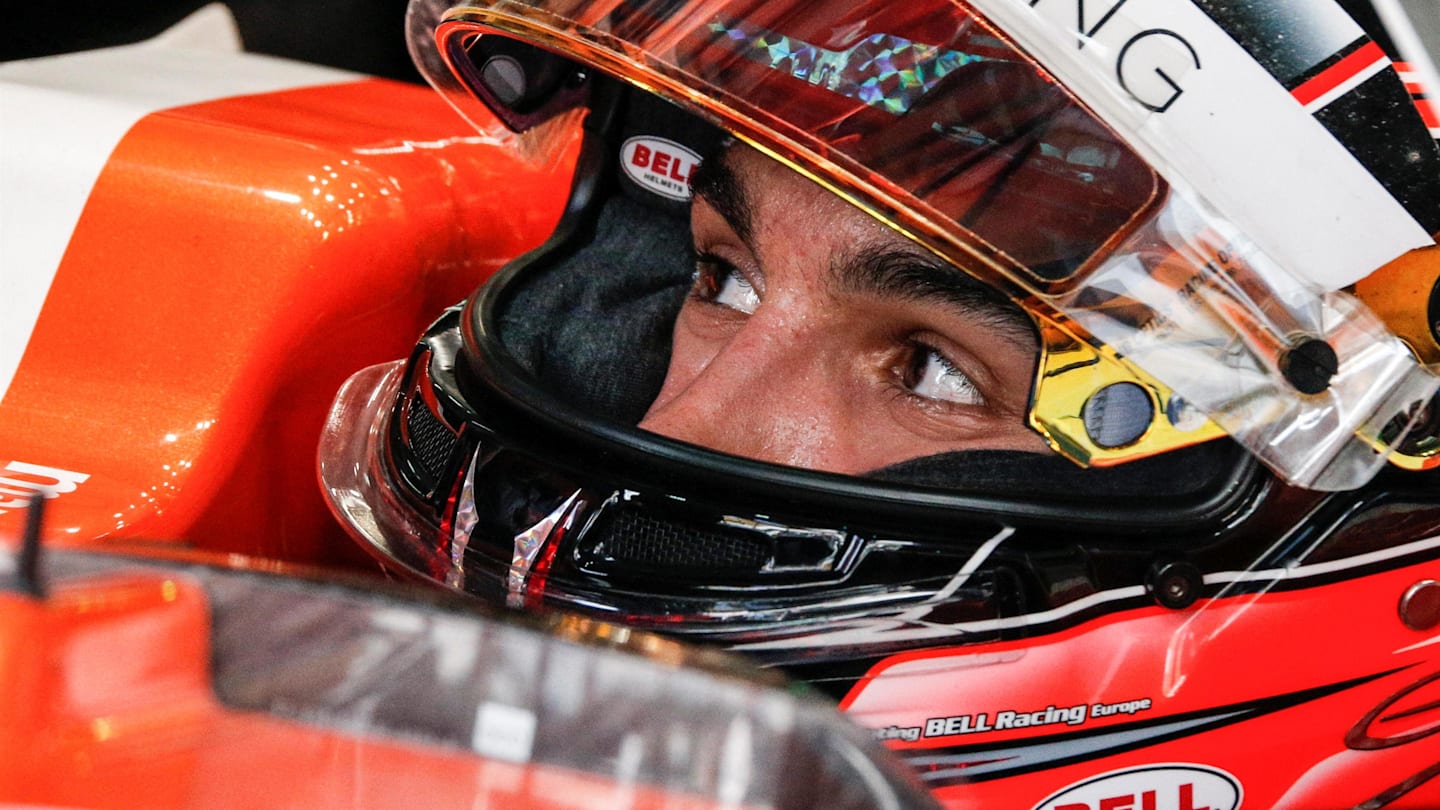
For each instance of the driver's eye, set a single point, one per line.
(718, 282)
(933, 376)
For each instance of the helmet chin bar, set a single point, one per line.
(529, 533)
(474, 481)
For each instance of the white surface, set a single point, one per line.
(60, 118)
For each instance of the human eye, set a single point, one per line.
(932, 375)
(717, 281)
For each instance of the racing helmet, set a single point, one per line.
(1186, 205)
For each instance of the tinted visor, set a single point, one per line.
(935, 115)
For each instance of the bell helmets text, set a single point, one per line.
(659, 165)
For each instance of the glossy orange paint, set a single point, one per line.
(235, 262)
(1399, 293)
(105, 691)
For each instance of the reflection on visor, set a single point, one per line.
(977, 133)
(948, 118)
(885, 71)
(962, 124)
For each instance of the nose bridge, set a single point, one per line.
(765, 395)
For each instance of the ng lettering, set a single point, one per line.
(1157, 56)
(1148, 63)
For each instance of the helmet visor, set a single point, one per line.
(928, 117)
(936, 115)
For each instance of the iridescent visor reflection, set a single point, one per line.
(997, 165)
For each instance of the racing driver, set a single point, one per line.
(881, 329)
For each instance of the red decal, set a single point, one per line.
(1187, 798)
(1338, 73)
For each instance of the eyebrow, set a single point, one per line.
(911, 275)
(879, 270)
(722, 189)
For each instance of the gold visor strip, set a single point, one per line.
(1073, 373)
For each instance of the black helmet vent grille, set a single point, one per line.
(430, 440)
(629, 539)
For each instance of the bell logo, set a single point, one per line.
(1152, 787)
(659, 165)
(19, 482)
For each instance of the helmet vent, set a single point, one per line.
(629, 539)
(430, 440)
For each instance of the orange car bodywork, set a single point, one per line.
(235, 262)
